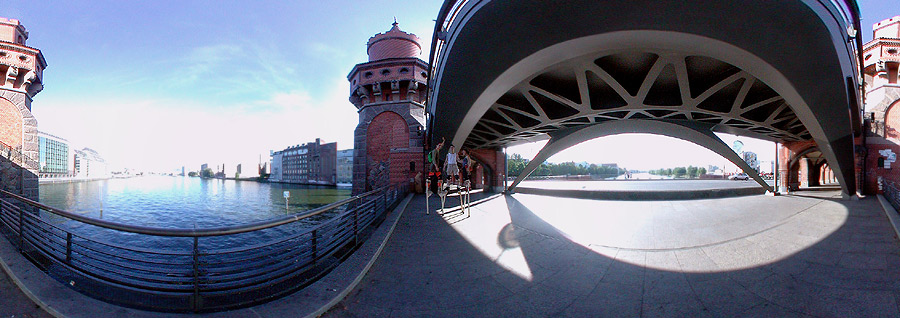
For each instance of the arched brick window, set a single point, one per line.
(892, 121)
(387, 134)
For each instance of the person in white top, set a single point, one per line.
(450, 167)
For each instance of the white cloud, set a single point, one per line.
(161, 134)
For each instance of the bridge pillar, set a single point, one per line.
(20, 80)
(389, 91)
(493, 169)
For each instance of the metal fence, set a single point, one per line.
(192, 270)
(891, 193)
(16, 156)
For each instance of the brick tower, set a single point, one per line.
(21, 68)
(389, 91)
(882, 62)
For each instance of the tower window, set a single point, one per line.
(424, 75)
(385, 72)
(368, 75)
(404, 70)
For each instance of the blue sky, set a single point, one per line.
(160, 84)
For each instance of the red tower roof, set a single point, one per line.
(393, 44)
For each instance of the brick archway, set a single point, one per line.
(387, 142)
(11, 131)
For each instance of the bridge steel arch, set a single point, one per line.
(687, 131)
(499, 77)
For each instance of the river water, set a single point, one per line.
(184, 202)
(179, 202)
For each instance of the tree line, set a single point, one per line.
(680, 172)
(516, 164)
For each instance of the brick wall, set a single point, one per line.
(876, 174)
(10, 124)
(15, 111)
(493, 169)
(388, 138)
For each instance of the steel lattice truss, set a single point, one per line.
(638, 85)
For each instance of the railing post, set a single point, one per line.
(355, 227)
(384, 201)
(315, 248)
(68, 247)
(21, 229)
(196, 254)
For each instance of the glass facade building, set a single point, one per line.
(54, 155)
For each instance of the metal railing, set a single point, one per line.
(891, 193)
(446, 17)
(192, 270)
(16, 156)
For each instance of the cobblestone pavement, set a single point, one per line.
(535, 256)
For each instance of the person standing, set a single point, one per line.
(463, 165)
(434, 154)
(450, 167)
(434, 167)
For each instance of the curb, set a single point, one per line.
(891, 213)
(37, 301)
(346, 291)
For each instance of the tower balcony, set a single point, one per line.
(22, 68)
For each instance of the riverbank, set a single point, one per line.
(78, 179)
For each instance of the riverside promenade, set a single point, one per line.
(804, 255)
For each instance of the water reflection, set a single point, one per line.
(180, 202)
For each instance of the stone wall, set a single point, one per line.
(18, 168)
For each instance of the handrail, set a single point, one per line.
(18, 157)
(168, 269)
(175, 232)
(443, 22)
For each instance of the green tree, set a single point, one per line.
(692, 172)
(679, 172)
(516, 164)
(702, 171)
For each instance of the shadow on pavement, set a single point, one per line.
(833, 258)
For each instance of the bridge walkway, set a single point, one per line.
(809, 254)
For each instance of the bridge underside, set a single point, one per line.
(514, 72)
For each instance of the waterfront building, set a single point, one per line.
(345, 166)
(89, 164)
(389, 92)
(310, 163)
(54, 156)
(21, 78)
(275, 174)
